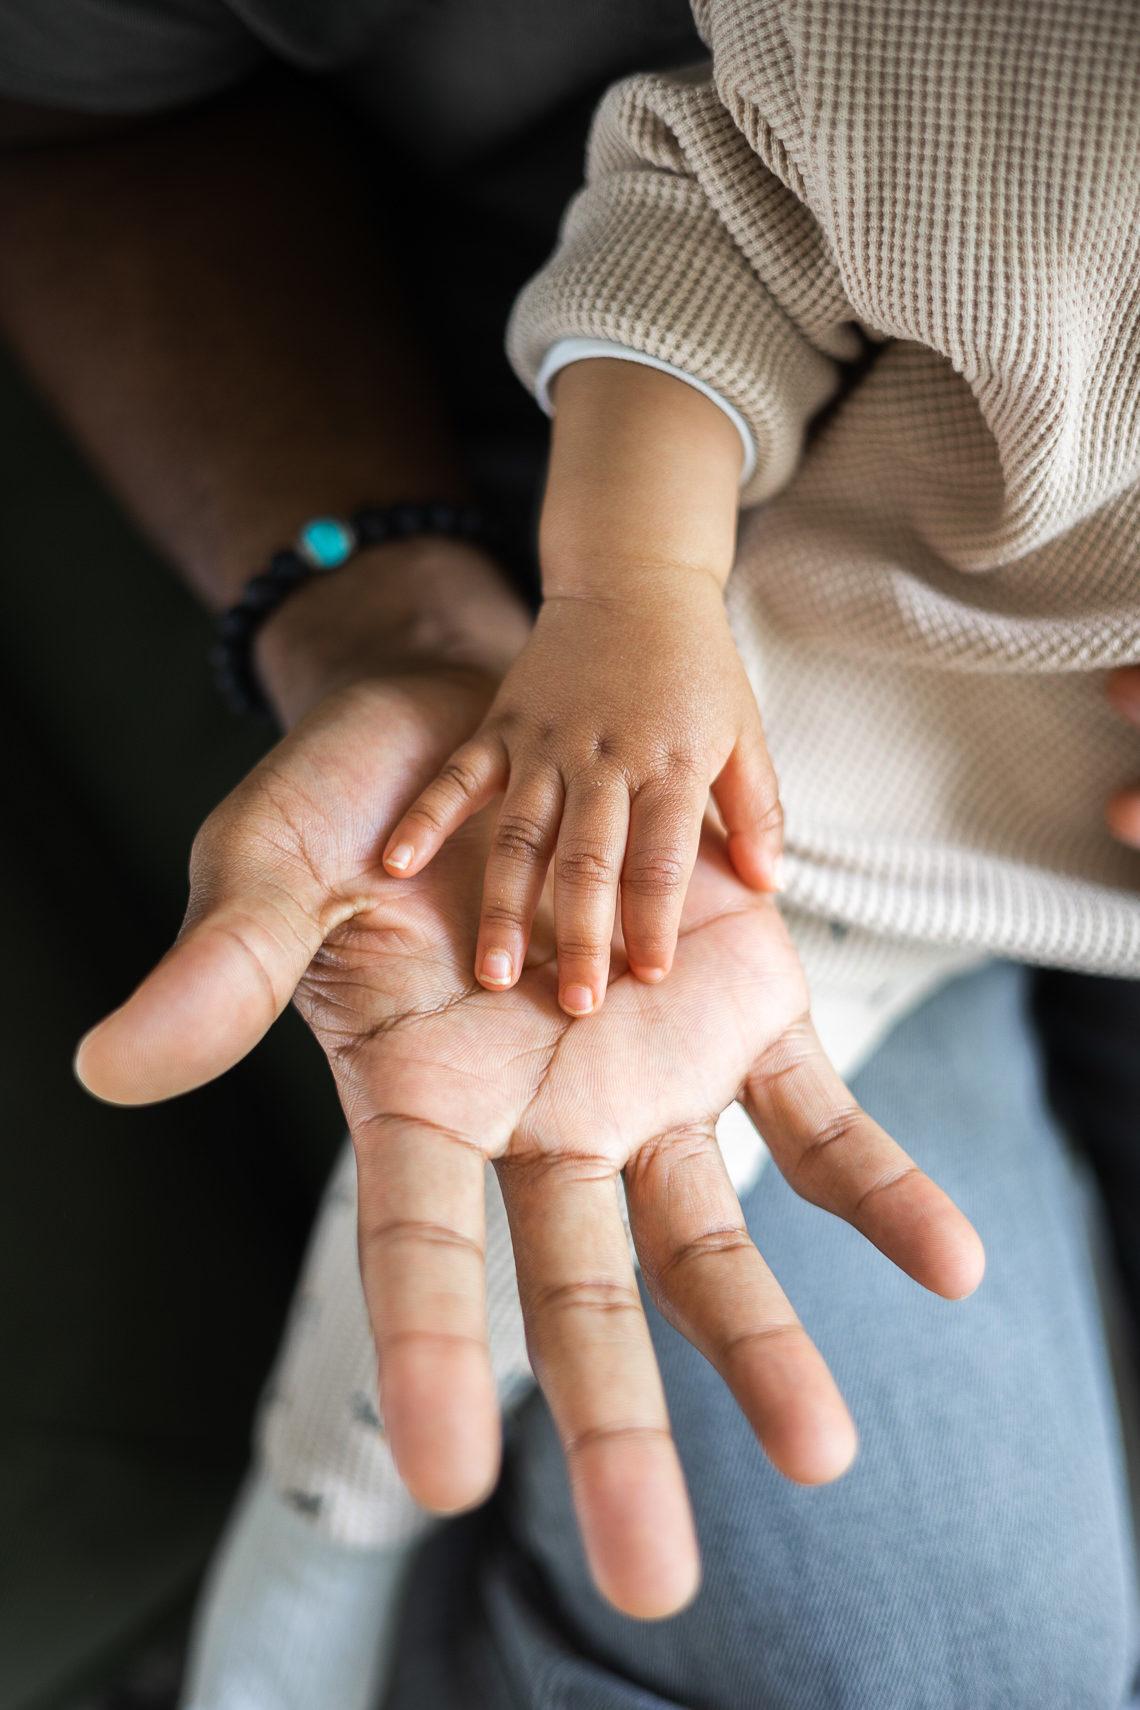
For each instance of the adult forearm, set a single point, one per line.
(204, 302)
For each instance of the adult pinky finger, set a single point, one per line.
(837, 1157)
(463, 785)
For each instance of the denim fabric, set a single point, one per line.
(978, 1555)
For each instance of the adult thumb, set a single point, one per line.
(251, 932)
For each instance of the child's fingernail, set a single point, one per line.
(496, 966)
(779, 873)
(400, 858)
(579, 1000)
(651, 976)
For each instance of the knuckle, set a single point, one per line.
(890, 1179)
(425, 812)
(458, 778)
(520, 838)
(730, 1240)
(671, 791)
(583, 948)
(593, 760)
(585, 1294)
(417, 1232)
(614, 1432)
(500, 913)
(839, 1125)
(838, 1128)
(733, 1345)
(585, 868)
(653, 873)
(611, 756)
(681, 764)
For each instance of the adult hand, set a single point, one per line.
(289, 901)
(1124, 807)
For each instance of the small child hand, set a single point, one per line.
(606, 736)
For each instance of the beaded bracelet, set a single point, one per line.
(324, 544)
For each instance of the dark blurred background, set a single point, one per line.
(146, 1256)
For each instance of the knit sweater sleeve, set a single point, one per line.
(687, 245)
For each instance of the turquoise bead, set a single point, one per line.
(325, 542)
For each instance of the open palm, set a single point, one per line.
(437, 1075)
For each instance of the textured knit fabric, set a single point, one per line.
(927, 219)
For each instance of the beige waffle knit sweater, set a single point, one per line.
(932, 584)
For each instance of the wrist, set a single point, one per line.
(401, 607)
(643, 481)
(626, 581)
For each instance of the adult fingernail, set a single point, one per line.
(496, 966)
(579, 1000)
(400, 857)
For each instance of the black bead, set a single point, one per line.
(287, 566)
(259, 594)
(235, 624)
(371, 527)
(407, 520)
(441, 518)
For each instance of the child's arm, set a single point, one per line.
(628, 704)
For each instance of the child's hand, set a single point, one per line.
(616, 720)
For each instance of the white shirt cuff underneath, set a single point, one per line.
(568, 350)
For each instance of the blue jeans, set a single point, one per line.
(978, 1555)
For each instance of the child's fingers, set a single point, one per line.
(748, 797)
(664, 831)
(521, 851)
(464, 784)
(586, 869)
